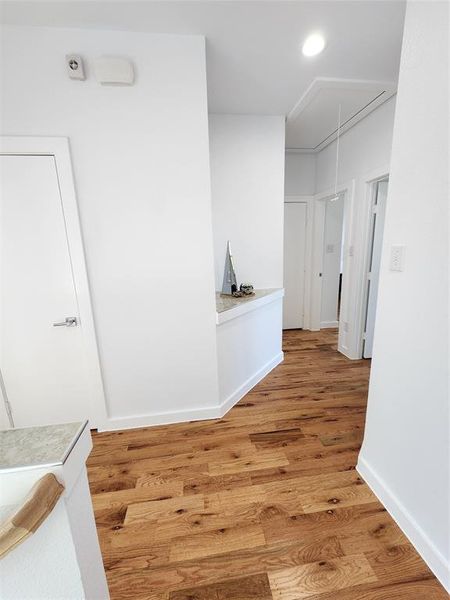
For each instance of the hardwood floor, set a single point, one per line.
(264, 504)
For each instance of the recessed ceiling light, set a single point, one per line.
(314, 44)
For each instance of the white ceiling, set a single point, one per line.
(254, 61)
(329, 106)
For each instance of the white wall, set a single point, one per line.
(45, 566)
(247, 181)
(363, 148)
(405, 456)
(249, 346)
(141, 162)
(62, 559)
(334, 214)
(299, 174)
(364, 151)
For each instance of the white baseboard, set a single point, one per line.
(191, 414)
(416, 535)
(166, 418)
(328, 324)
(250, 383)
(347, 353)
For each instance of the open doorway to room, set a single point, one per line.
(330, 274)
(332, 262)
(329, 285)
(314, 259)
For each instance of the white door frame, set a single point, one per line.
(58, 147)
(309, 201)
(348, 189)
(371, 179)
(6, 420)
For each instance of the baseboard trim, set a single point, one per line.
(329, 324)
(166, 418)
(192, 414)
(346, 352)
(416, 535)
(234, 398)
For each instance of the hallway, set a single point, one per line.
(262, 504)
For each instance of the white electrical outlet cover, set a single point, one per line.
(113, 71)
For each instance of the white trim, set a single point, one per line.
(369, 179)
(299, 151)
(329, 324)
(354, 280)
(250, 383)
(413, 531)
(248, 306)
(307, 199)
(193, 414)
(58, 147)
(166, 418)
(384, 90)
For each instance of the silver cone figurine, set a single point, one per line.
(229, 285)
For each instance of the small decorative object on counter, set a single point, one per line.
(247, 289)
(229, 285)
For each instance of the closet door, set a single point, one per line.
(294, 264)
(42, 360)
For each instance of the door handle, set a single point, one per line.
(68, 322)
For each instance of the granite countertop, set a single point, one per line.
(224, 303)
(28, 447)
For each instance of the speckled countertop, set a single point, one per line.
(224, 303)
(48, 445)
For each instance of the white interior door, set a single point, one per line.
(294, 264)
(374, 267)
(44, 368)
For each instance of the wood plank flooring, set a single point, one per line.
(264, 504)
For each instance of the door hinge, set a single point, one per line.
(364, 337)
(375, 209)
(369, 275)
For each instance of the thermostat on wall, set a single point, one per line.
(110, 71)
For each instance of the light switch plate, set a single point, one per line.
(397, 261)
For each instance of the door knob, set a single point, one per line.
(68, 322)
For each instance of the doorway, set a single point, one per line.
(329, 272)
(48, 355)
(378, 211)
(295, 233)
(332, 262)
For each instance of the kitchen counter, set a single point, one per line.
(229, 307)
(30, 447)
(62, 558)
